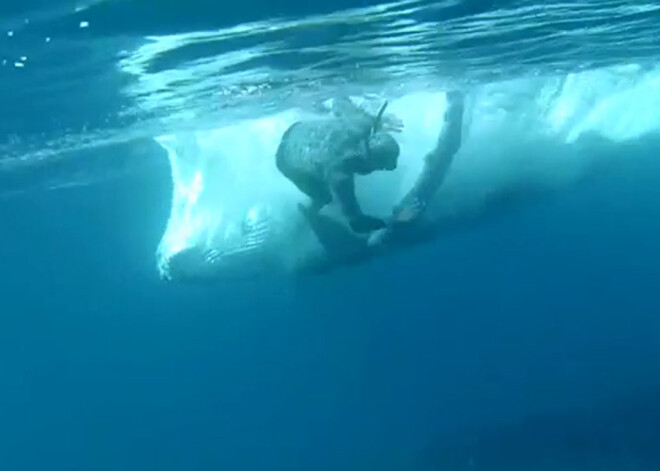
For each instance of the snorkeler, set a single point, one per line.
(407, 225)
(321, 157)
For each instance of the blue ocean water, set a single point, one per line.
(526, 341)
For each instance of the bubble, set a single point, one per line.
(19, 64)
(84, 24)
(10, 33)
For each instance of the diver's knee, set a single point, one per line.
(282, 165)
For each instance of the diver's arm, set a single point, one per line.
(342, 184)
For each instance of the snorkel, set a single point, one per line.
(378, 121)
(381, 147)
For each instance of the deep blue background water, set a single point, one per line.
(532, 338)
(527, 342)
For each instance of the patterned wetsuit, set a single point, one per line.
(312, 151)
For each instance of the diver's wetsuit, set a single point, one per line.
(322, 156)
(312, 154)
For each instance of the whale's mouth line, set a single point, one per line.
(197, 264)
(247, 255)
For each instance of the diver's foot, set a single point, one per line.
(391, 123)
(365, 224)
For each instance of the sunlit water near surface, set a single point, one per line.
(81, 76)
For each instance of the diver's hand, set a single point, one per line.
(408, 211)
(388, 122)
(391, 123)
(364, 224)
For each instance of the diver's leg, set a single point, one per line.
(316, 206)
(343, 188)
(307, 182)
(316, 189)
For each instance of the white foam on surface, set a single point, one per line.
(524, 131)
